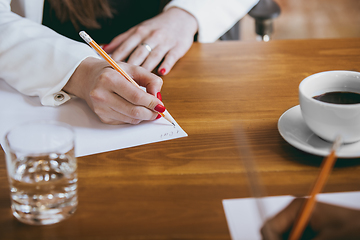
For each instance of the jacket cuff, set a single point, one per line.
(214, 17)
(56, 96)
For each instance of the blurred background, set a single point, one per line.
(301, 19)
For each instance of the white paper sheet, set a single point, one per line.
(244, 220)
(92, 136)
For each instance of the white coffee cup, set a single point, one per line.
(329, 120)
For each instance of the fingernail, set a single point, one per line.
(162, 71)
(160, 108)
(158, 95)
(103, 47)
(158, 116)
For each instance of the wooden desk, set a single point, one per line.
(173, 189)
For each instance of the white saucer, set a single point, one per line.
(294, 130)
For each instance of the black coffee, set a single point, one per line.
(339, 97)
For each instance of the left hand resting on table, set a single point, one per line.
(169, 35)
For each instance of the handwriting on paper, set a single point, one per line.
(170, 133)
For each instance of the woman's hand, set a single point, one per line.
(113, 98)
(327, 221)
(169, 35)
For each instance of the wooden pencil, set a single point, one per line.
(306, 211)
(112, 62)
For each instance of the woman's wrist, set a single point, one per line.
(82, 76)
(187, 18)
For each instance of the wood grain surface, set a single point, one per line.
(174, 189)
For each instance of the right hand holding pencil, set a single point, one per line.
(112, 97)
(327, 221)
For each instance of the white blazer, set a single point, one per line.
(37, 61)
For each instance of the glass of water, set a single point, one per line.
(42, 172)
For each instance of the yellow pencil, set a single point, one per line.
(309, 205)
(111, 61)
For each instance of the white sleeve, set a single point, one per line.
(214, 17)
(34, 59)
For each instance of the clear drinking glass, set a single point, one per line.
(42, 172)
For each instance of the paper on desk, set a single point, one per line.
(244, 220)
(92, 136)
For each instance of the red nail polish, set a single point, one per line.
(158, 95)
(158, 116)
(162, 71)
(103, 47)
(160, 108)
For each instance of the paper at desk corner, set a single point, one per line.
(92, 136)
(244, 221)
